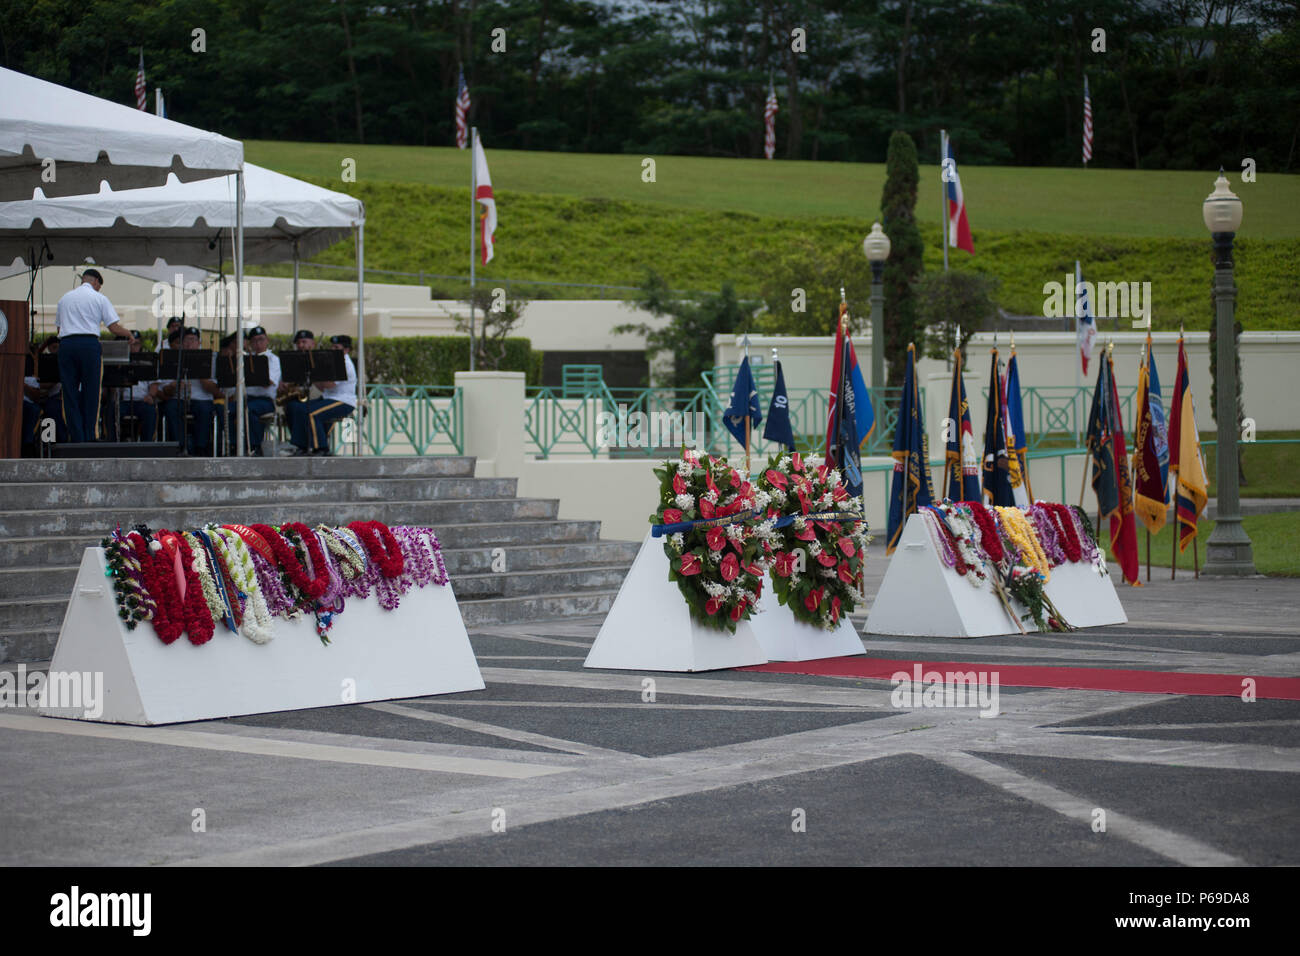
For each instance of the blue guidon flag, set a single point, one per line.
(911, 485)
(744, 404)
(778, 428)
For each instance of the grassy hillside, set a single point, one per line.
(1109, 202)
(412, 227)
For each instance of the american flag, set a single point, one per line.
(141, 93)
(462, 113)
(1087, 123)
(769, 121)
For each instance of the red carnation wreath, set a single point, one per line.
(382, 546)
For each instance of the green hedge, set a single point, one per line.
(420, 359)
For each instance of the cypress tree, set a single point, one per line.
(903, 268)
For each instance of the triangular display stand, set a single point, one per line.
(919, 597)
(418, 649)
(1084, 597)
(649, 628)
(784, 637)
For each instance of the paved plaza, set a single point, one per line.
(557, 764)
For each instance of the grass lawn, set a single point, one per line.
(1099, 202)
(1272, 471)
(1274, 537)
(558, 238)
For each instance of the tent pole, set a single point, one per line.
(239, 313)
(295, 287)
(361, 333)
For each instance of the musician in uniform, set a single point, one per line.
(79, 315)
(260, 399)
(309, 422)
(141, 402)
(42, 401)
(200, 393)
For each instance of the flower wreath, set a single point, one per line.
(818, 537)
(714, 554)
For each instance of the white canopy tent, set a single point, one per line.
(66, 143)
(281, 218)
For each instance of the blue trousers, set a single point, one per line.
(34, 412)
(81, 367)
(257, 406)
(146, 412)
(199, 438)
(309, 422)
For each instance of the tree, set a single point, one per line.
(949, 301)
(688, 336)
(898, 218)
(497, 325)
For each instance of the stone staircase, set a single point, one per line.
(51, 510)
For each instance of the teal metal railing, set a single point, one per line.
(410, 420)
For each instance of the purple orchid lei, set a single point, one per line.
(278, 602)
(1045, 528)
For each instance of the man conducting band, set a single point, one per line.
(309, 422)
(260, 399)
(79, 315)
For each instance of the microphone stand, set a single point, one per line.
(183, 450)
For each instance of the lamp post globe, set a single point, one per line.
(876, 248)
(1228, 551)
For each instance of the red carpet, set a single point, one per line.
(1072, 678)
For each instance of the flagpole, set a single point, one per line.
(473, 187)
(943, 195)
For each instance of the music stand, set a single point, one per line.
(47, 368)
(139, 367)
(318, 365)
(186, 365)
(257, 374)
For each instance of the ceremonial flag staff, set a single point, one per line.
(748, 423)
(943, 196)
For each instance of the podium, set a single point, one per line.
(14, 320)
(419, 649)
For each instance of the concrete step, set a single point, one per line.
(34, 613)
(463, 561)
(46, 581)
(504, 610)
(28, 644)
(521, 583)
(522, 533)
(36, 496)
(117, 470)
(97, 521)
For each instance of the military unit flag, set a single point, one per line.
(1110, 474)
(997, 462)
(911, 482)
(958, 227)
(1186, 470)
(744, 405)
(1017, 446)
(778, 427)
(1085, 325)
(961, 467)
(1150, 496)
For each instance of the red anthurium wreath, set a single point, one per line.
(382, 546)
(717, 562)
(198, 619)
(312, 587)
(820, 544)
(160, 582)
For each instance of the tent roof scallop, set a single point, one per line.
(181, 222)
(93, 140)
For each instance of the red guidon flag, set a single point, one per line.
(483, 194)
(1123, 529)
(1186, 470)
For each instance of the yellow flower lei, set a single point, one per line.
(1021, 533)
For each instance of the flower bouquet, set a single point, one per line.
(818, 537)
(713, 552)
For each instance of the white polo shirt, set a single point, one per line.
(261, 391)
(345, 392)
(82, 311)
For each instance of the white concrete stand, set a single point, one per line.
(784, 637)
(421, 648)
(649, 628)
(922, 598)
